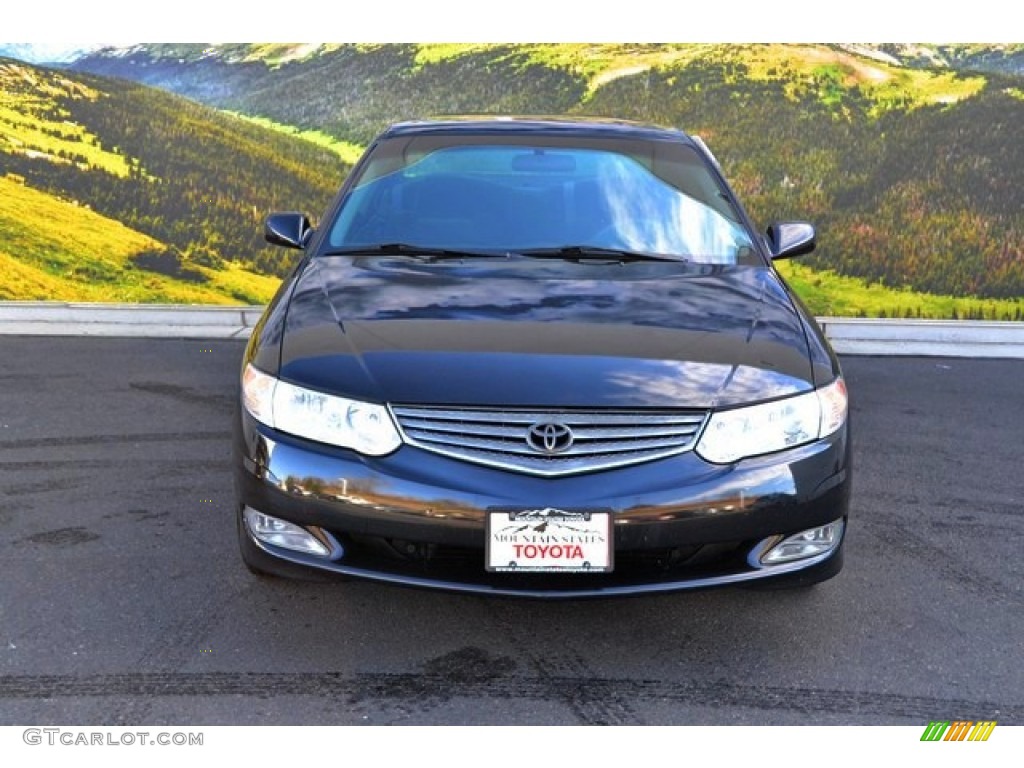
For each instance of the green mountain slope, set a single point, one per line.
(349, 91)
(195, 180)
(915, 192)
(911, 173)
(56, 249)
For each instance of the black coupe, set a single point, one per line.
(541, 357)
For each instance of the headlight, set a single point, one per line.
(364, 427)
(769, 427)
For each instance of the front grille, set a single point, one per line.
(600, 439)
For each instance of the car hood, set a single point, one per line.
(514, 332)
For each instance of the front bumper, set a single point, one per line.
(418, 519)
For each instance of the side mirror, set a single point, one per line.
(790, 238)
(292, 230)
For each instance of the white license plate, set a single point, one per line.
(549, 540)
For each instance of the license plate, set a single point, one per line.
(549, 540)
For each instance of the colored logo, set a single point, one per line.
(958, 730)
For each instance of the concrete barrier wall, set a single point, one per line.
(849, 336)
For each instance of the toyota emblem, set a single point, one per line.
(549, 437)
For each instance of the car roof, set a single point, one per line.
(536, 125)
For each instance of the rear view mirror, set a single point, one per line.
(790, 238)
(290, 229)
(540, 161)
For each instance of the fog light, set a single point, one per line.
(281, 533)
(809, 543)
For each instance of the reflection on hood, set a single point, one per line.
(503, 332)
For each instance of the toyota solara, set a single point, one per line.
(541, 357)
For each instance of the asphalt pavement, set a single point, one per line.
(123, 600)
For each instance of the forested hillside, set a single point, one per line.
(911, 172)
(51, 248)
(196, 181)
(924, 196)
(350, 91)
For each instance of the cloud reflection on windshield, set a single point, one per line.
(649, 216)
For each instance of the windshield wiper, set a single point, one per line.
(422, 252)
(580, 252)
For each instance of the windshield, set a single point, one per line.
(491, 193)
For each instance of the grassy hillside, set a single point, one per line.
(918, 191)
(828, 294)
(340, 87)
(351, 91)
(56, 249)
(907, 158)
(911, 173)
(195, 180)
